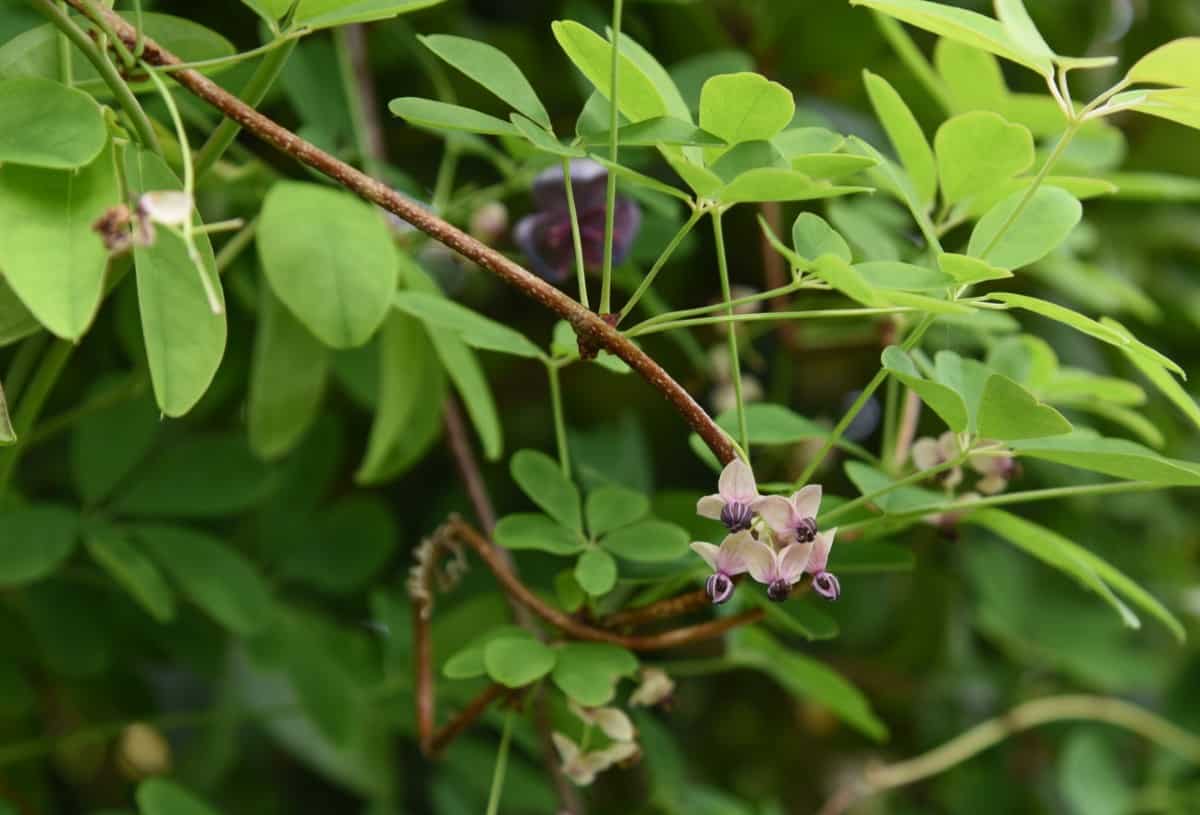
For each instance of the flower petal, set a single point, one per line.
(707, 551)
(778, 512)
(545, 239)
(601, 760)
(589, 183)
(760, 561)
(168, 207)
(948, 443)
(820, 551)
(807, 501)
(614, 723)
(710, 506)
(627, 220)
(657, 686)
(731, 557)
(926, 454)
(991, 484)
(793, 559)
(568, 750)
(737, 482)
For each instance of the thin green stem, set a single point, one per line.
(891, 412)
(263, 78)
(757, 297)
(30, 405)
(241, 56)
(859, 403)
(443, 187)
(66, 70)
(560, 425)
(108, 72)
(765, 317)
(234, 247)
(659, 263)
(139, 22)
(576, 238)
(915, 478)
(735, 365)
(610, 200)
(628, 279)
(501, 769)
(912, 57)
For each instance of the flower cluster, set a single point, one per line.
(772, 538)
(169, 208)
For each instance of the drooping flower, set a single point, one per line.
(792, 519)
(545, 235)
(582, 768)
(166, 207)
(928, 453)
(778, 569)
(727, 561)
(656, 687)
(824, 582)
(735, 499)
(612, 721)
(997, 471)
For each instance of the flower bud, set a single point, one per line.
(143, 752)
(719, 588)
(489, 222)
(736, 516)
(827, 585)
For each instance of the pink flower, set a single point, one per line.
(735, 499)
(928, 453)
(727, 561)
(781, 569)
(824, 583)
(792, 519)
(996, 471)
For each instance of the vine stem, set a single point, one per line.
(576, 238)
(650, 327)
(735, 364)
(648, 280)
(1068, 707)
(591, 329)
(501, 769)
(610, 194)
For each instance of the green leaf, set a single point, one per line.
(1176, 63)
(471, 327)
(107, 444)
(966, 270)
(846, 279)
(518, 661)
(567, 590)
(543, 140)
(74, 640)
(1091, 776)
(944, 401)
(967, 377)
(1151, 364)
(640, 180)
(185, 339)
(37, 540)
(1116, 457)
(1081, 187)
(779, 184)
(16, 322)
(972, 77)
(543, 481)
(870, 557)
(648, 541)
(288, 371)
(800, 617)
(637, 96)
(1092, 571)
(7, 434)
(898, 500)
(831, 166)
(703, 181)
(329, 257)
(967, 27)
(806, 678)
(744, 107)
(1008, 412)
(588, 672)
(663, 83)
(491, 68)
(217, 578)
(660, 130)
(596, 572)
(1063, 315)
(812, 236)
(44, 124)
(202, 476)
(530, 530)
(159, 796)
(467, 663)
(1043, 224)
(133, 571)
(906, 136)
(350, 542)
(610, 507)
(892, 274)
(50, 255)
(799, 141)
(978, 151)
(334, 13)
(1180, 105)
(437, 115)
(408, 413)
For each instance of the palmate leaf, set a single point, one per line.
(978, 151)
(1040, 225)
(543, 481)
(944, 401)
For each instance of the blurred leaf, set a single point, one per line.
(647, 541)
(899, 500)
(351, 541)
(158, 796)
(491, 68)
(471, 327)
(44, 124)
(467, 663)
(534, 531)
(543, 481)
(333, 13)
(906, 136)
(517, 661)
(869, 557)
(37, 539)
(135, 572)
(588, 672)
(74, 639)
(799, 616)
(610, 506)
(1090, 776)
(109, 443)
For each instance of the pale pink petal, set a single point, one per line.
(777, 511)
(760, 561)
(737, 482)
(952, 478)
(793, 558)
(926, 454)
(601, 760)
(707, 551)
(948, 443)
(731, 558)
(807, 501)
(657, 686)
(991, 484)
(170, 207)
(613, 723)
(710, 506)
(820, 551)
(568, 750)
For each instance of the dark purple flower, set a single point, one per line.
(545, 235)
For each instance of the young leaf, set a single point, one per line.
(531, 530)
(185, 339)
(215, 576)
(1042, 224)
(50, 255)
(944, 401)
(472, 328)
(966, 270)
(517, 661)
(596, 572)
(335, 13)
(1008, 412)
(588, 672)
(467, 663)
(978, 151)
(647, 542)
(329, 257)
(1063, 315)
(491, 68)
(905, 134)
(777, 184)
(967, 377)
(437, 115)
(1116, 457)
(1017, 22)
(287, 380)
(159, 796)
(1176, 63)
(660, 130)
(44, 124)
(637, 97)
(846, 279)
(610, 507)
(892, 274)
(543, 481)
(135, 572)
(745, 107)
(812, 236)
(37, 539)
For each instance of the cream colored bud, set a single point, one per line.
(143, 752)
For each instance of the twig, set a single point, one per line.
(467, 465)
(1077, 707)
(675, 606)
(591, 329)
(465, 717)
